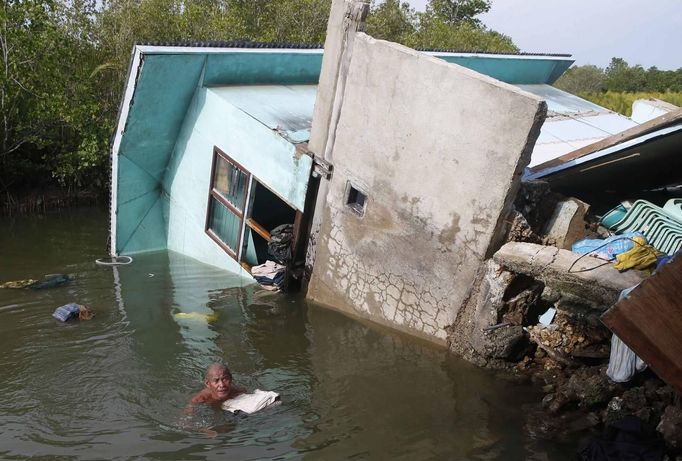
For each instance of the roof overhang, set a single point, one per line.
(644, 157)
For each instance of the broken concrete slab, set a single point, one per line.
(593, 280)
(481, 334)
(567, 224)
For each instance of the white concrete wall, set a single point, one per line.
(439, 149)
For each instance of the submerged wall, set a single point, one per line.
(212, 121)
(438, 150)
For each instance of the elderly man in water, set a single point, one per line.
(218, 386)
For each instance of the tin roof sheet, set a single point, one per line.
(572, 123)
(287, 109)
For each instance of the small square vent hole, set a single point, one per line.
(356, 199)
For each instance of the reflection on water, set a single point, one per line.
(115, 387)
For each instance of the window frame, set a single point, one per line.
(213, 193)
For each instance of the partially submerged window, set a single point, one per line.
(242, 212)
(227, 201)
(355, 199)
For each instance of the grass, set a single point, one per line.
(622, 102)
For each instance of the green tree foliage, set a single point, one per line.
(621, 77)
(582, 79)
(620, 84)
(621, 102)
(47, 98)
(435, 33)
(446, 24)
(456, 12)
(391, 20)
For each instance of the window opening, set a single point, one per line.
(266, 212)
(254, 225)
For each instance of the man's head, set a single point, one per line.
(218, 381)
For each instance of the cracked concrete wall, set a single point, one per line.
(439, 150)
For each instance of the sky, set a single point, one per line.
(645, 32)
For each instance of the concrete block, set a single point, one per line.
(567, 224)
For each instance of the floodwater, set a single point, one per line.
(115, 387)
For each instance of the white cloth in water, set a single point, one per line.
(269, 269)
(250, 403)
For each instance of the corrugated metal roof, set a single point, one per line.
(234, 44)
(287, 45)
(572, 123)
(560, 102)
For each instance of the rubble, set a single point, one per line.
(670, 426)
(566, 354)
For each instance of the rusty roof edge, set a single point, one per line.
(232, 44)
(291, 45)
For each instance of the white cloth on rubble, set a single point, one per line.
(269, 269)
(623, 362)
(250, 403)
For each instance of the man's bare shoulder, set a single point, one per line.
(202, 397)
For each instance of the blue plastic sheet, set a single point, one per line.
(608, 248)
(67, 312)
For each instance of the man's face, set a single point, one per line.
(218, 383)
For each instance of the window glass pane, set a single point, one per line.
(230, 182)
(225, 224)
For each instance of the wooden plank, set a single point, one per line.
(260, 230)
(246, 266)
(649, 321)
(631, 133)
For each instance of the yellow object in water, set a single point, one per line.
(18, 283)
(212, 317)
(641, 257)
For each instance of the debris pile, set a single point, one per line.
(536, 309)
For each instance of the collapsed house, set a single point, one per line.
(210, 152)
(397, 176)
(398, 172)
(395, 169)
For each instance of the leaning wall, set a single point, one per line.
(438, 151)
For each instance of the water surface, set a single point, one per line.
(115, 387)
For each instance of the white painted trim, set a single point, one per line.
(246, 212)
(122, 119)
(154, 49)
(604, 152)
(501, 56)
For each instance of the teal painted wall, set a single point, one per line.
(262, 68)
(161, 109)
(211, 121)
(163, 92)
